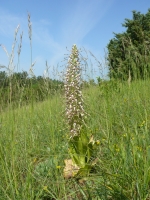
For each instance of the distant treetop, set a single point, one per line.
(129, 52)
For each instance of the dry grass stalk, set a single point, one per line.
(129, 78)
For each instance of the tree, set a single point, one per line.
(3, 79)
(129, 52)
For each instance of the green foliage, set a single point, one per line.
(82, 151)
(81, 147)
(33, 147)
(21, 89)
(130, 51)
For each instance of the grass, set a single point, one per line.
(33, 146)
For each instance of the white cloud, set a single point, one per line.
(42, 39)
(45, 22)
(75, 25)
(8, 23)
(83, 18)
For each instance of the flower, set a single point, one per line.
(125, 135)
(117, 149)
(45, 188)
(142, 124)
(75, 112)
(35, 160)
(97, 142)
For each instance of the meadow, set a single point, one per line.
(34, 138)
(33, 146)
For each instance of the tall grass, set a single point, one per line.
(33, 146)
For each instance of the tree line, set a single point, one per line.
(20, 88)
(129, 52)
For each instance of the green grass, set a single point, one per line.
(33, 146)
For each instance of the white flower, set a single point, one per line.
(74, 102)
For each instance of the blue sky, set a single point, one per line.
(57, 24)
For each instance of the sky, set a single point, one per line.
(57, 25)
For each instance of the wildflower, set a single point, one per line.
(45, 188)
(79, 141)
(117, 149)
(142, 124)
(58, 167)
(74, 102)
(35, 160)
(139, 148)
(97, 142)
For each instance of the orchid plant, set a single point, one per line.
(81, 146)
